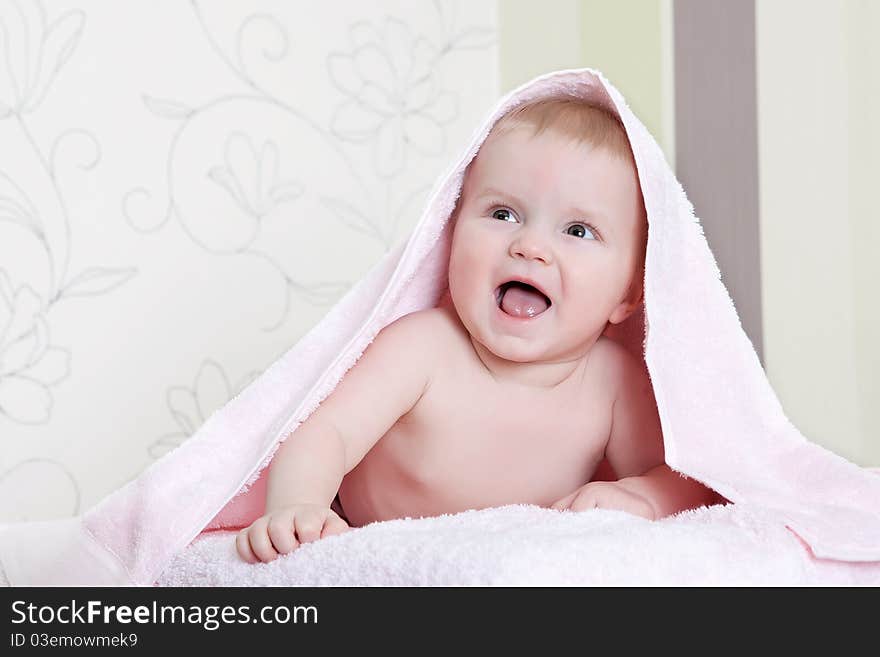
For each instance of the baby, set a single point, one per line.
(507, 392)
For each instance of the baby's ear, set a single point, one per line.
(629, 304)
(622, 311)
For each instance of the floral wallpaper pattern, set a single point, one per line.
(185, 189)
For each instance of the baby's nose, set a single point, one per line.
(530, 246)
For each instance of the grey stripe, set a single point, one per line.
(716, 141)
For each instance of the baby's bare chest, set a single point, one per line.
(471, 439)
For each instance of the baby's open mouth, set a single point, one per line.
(520, 299)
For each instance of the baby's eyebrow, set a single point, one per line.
(491, 191)
(594, 215)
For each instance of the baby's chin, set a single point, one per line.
(517, 349)
(533, 349)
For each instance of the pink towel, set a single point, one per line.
(722, 423)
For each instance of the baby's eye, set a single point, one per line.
(580, 230)
(509, 214)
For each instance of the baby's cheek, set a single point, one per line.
(464, 263)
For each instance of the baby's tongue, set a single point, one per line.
(522, 303)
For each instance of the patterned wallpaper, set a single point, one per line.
(185, 189)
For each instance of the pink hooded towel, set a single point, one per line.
(722, 422)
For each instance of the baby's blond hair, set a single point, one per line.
(573, 118)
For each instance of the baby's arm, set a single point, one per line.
(305, 474)
(646, 486)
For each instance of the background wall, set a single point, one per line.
(716, 139)
(186, 188)
(630, 41)
(818, 103)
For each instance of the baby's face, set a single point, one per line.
(566, 218)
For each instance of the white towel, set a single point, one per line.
(522, 545)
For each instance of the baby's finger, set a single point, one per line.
(243, 546)
(258, 536)
(281, 533)
(334, 525)
(587, 499)
(564, 503)
(308, 526)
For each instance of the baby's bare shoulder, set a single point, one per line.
(425, 335)
(615, 361)
(636, 440)
(421, 325)
(625, 374)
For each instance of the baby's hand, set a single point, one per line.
(606, 495)
(283, 530)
